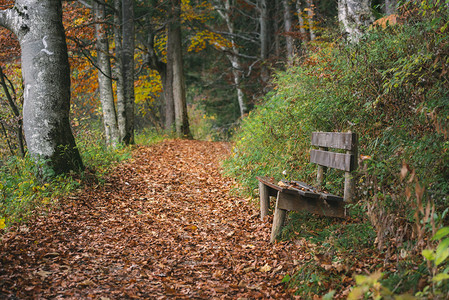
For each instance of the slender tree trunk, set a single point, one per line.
(127, 132)
(299, 11)
(168, 86)
(233, 56)
(264, 38)
(46, 79)
(288, 29)
(391, 7)
(118, 70)
(16, 112)
(355, 16)
(105, 77)
(276, 29)
(179, 93)
(310, 14)
(157, 64)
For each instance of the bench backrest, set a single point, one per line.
(343, 161)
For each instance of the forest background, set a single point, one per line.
(266, 74)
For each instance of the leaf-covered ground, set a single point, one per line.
(163, 226)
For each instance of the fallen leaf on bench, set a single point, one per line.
(282, 184)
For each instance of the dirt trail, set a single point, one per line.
(163, 226)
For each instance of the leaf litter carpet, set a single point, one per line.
(163, 226)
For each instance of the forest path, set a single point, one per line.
(162, 226)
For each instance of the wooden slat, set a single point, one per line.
(267, 182)
(274, 188)
(316, 206)
(264, 196)
(334, 160)
(338, 140)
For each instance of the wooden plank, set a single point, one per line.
(334, 160)
(337, 140)
(308, 192)
(316, 206)
(330, 197)
(278, 220)
(268, 182)
(264, 196)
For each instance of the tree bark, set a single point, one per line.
(168, 87)
(127, 128)
(46, 79)
(105, 77)
(288, 29)
(118, 70)
(177, 68)
(310, 15)
(391, 7)
(302, 29)
(264, 39)
(355, 16)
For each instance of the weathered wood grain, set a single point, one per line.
(278, 219)
(316, 206)
(340, 161)
(336, 140)
(264, 200)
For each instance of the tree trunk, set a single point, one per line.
(310, 14)
(46, 79)
(288, 29)
(233, 56)
(118, 70)
(168, 86)
(264, 39)
(302, 29)
(127, 131)
(355, 16)
(391, 7)
(177, 68)
(105, 77)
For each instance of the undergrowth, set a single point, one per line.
(392, 89)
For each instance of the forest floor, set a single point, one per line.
(164, 225)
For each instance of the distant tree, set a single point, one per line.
(105, 77)
(125, 109)
(175, 61)
(390, 7)
(355, 16)
(288, 28)
(46, 79)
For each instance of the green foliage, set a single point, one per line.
(390, 88)
(148, 137)
(203, 126)
(21, 192)
(438, 265)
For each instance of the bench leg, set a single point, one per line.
(264, 200)
(278, 220)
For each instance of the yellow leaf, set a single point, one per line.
(2, 223)
(265, 268)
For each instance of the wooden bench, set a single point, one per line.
(296, 195)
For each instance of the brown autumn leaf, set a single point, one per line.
(404, 170)
(191, 239)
